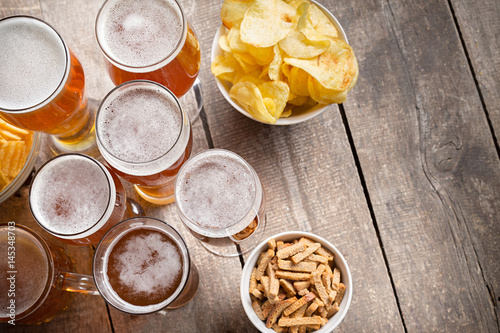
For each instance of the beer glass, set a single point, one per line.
(145, 136)
(142, 265)
(219, 197)
(35, 276)
(76, 199)
(42, 85)
(151, 40)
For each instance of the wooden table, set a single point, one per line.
(404, 177)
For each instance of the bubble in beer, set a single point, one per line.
(69, 195)
(145, 267)
(216, 191)
(32, 62)
(140, 33)
(140, 125)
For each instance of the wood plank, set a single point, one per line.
(479, 25)
(428, 159)
(311, 184)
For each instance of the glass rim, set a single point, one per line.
(125, 85)
(151, 67)
(110, 183)
(189, 221)
(64, 78)
(183, 248)
(50, 262)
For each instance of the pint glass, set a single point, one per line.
(42, 84)
(151, 40)
(35, 275)
(145, 136)
(142, 265)
(219, 197)
(76, 199)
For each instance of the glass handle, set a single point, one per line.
(134, 209)
(77, 283)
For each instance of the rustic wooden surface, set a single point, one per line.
(404, 178)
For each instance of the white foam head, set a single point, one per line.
(148, 264)
(140, 33)
(71, 194)
(141, 128)
(34, 61)
(217, 189)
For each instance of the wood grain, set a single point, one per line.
(478, 25)
(429, 163)
(404, 178)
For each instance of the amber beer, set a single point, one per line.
(220, 198)
(31, 278)
(145, 267)
(42, 84)
(145, 136)
(150, 40)
(76, 198)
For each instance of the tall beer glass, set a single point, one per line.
(76, 198)
(142, 265)
(151, 40)
(219, 197)
(34, 277)
(42, 84)
(145, 136)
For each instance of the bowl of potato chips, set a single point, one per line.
(18, 152)
(281, 62)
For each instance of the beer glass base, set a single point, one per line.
(87, 145)
(154, 200)
(189, 291)
(226, 247)
(192, 101)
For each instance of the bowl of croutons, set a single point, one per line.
(296, 281)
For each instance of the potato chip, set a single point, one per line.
(233, 10)
(335, 69)
(266, 22)
(235, 42)
(304, 42)
(13, 129)
(9, 135)
(225, 67)
(323, 95)
(305, 26)
(255, 77)
(297, 80)
(297, 100)
(246, 65)
(295, 3)
(321, 22)
(3, 181)
(249, 96)
(262, 55)
(11, 152)
(275, 65)
(278, 92)
(224, 43)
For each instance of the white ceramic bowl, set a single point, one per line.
(339, 262)
(296, 118)
(25, 171)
